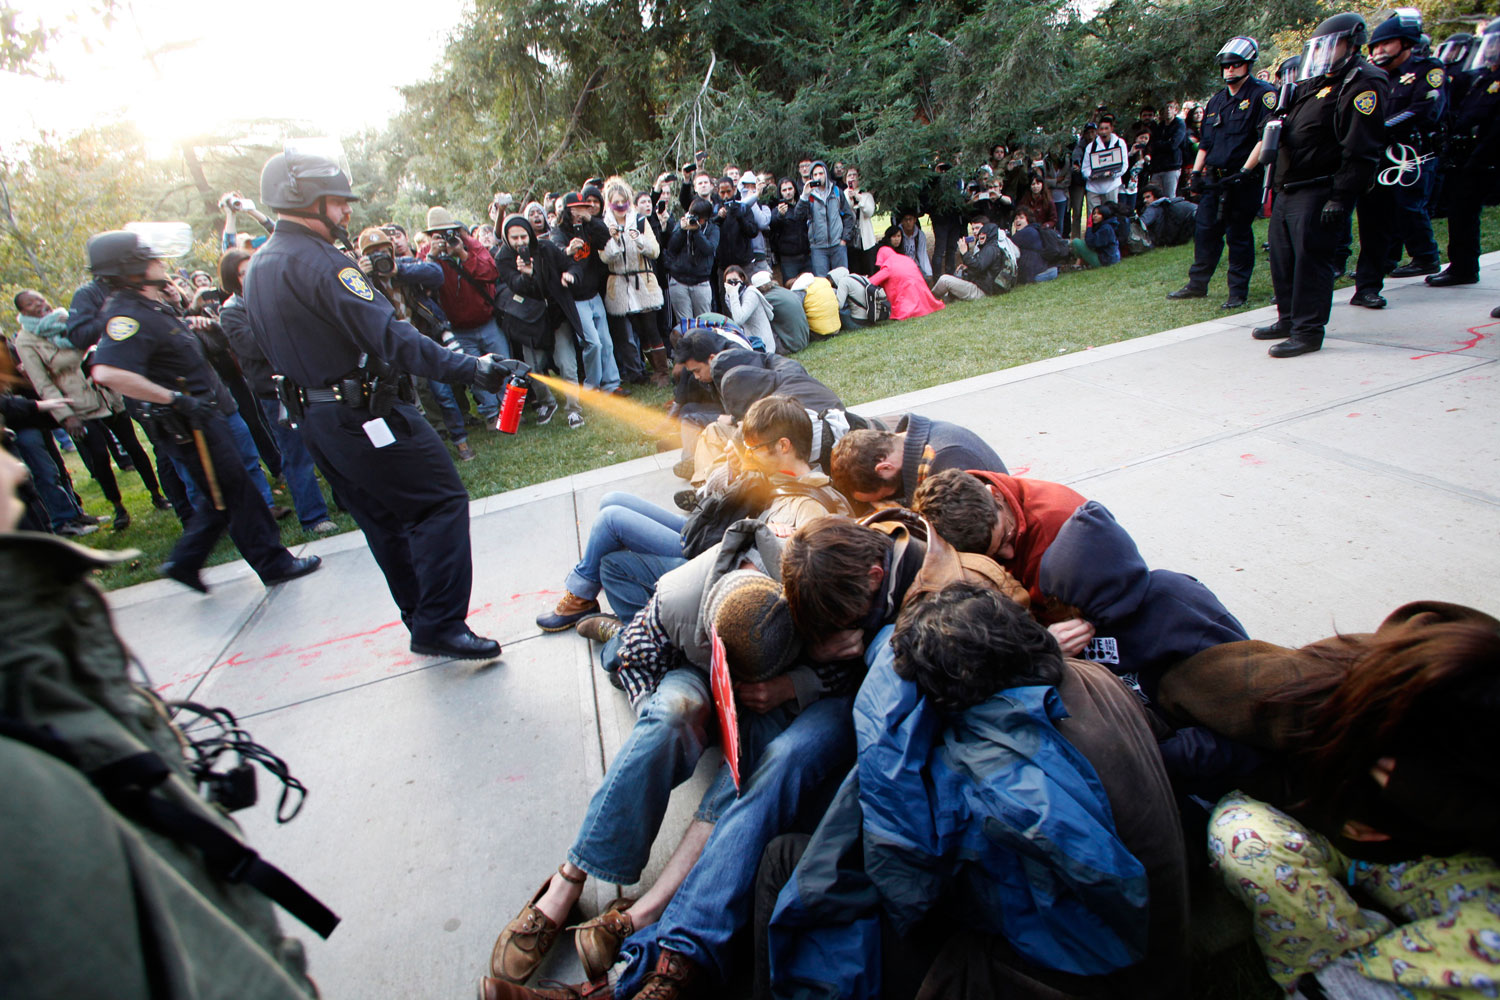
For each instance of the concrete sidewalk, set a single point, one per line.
(1312, 495)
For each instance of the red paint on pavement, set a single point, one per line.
(1474, 338)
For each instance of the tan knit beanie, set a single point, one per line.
(750, 613)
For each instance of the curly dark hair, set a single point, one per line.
(825, 571)
(960, 508)
(855, 457)
(965, 642)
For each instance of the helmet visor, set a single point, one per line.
(1486, 54)
(1453, 50)
(1238, 49)
(1323, 54)
(163, 240)
(331, 158)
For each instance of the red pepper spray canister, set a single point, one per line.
(512, 405)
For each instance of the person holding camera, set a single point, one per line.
(788, 234)
(149, 355)
(467, 296)
(582, 237)
(691, 249)
(633, 295)
(830, 223)
(231, 204)
(343, 353)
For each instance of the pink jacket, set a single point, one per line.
(902, 280)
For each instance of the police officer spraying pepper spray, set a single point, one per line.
(1331, 143)
(149, 355)
(1394, 211)
(1226, 174)
(343, 357)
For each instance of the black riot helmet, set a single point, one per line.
(1455, 49)
(1334, 44)
(1239, 49)
(117, 254)
(1404, 25)
(1485, 52)
(299, 184)
(1288, 70)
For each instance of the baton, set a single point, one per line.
(205, 460)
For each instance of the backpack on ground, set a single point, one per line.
(748, 496)
(1176, 223)
(866, 302)
(1055, 248)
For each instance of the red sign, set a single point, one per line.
(723, 691)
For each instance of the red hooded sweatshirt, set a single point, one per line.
(1040, 508)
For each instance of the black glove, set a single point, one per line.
(491, 371)
(1334, 213)
(196, 411)
(1195, 183)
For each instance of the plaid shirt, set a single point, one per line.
(646, 654)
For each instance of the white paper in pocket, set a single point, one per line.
(379, 432)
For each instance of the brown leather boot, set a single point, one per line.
(598, 940)
(661, 368)
(525, 941)
(566, 614)
(672, 979)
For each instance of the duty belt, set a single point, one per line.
(321, 396)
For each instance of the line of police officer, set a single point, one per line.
(1345, 120)
(342, 357)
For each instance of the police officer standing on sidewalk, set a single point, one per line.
(1226, 174)
(1472, 160)
(1394, 211)
(344, 358)
(149, 355)
(1331, 142)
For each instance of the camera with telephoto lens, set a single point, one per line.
(382, 263)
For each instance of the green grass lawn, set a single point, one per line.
(1078, 311)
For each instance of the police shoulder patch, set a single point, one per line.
(1269, 99)
(1365, 103)
(121, 328)
(356, 283)
(1434, 77)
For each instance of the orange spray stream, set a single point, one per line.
(645, 418)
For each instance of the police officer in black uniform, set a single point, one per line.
(1471, 160)
(344, 357)
(1331, 142)
(1394, 211)
(1226, 174)
(149, 355)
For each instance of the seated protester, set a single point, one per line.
(662, 659)
(1028, 238)
(1367, 853)
(903, 283)
(1061, 866)
(1170, 221)
(838, 577)
(749, 308)
(777, 443)
(536, 311)
(870, 466)
(861, 304)
(986, 267)
(914, 243)
(821, 304)
(695, 398)
(788, 319)
(1075, 560)
(1038, 204)
(692, 242)
(788, 234)
(1100, 245)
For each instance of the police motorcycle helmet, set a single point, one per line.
(1335, 43)
(121, 254)
(1405, 25)
(1288, 71)
(1486, 49)
(300, 179)
(1239, 49)
(1455, 49)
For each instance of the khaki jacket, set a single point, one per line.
(55, 374)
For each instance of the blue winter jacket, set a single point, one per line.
(992, 809)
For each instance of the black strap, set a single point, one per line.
(129, 784)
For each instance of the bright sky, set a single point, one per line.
(219, 63)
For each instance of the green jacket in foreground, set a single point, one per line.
(95, 905)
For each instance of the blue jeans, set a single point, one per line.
(798, 769)
(663, 748)
(629, 579)
(478, 341)
(599, 370)
(453, 417)
(56, 496)
(625, 522)
(296, 468)
(245, 443)
(825, 259)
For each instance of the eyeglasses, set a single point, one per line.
(753, 448)
(732, 281)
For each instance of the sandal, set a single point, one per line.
(598, 940)
(525, 941)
